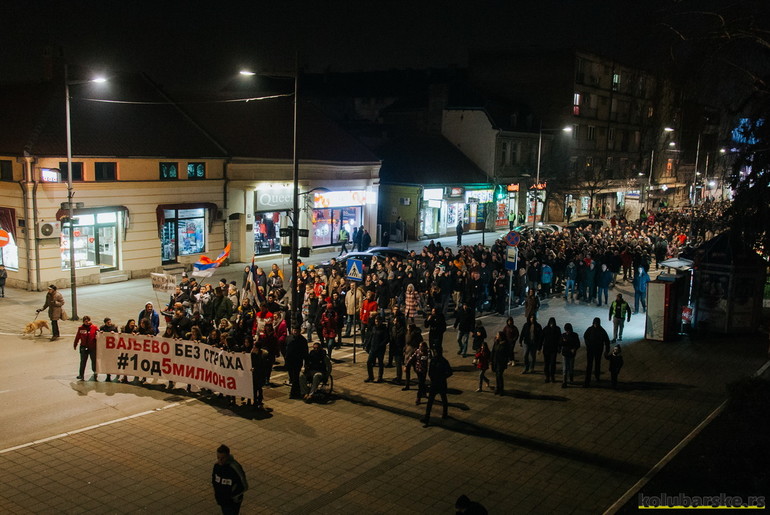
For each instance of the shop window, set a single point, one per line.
(266, 232)
(196, 171)
(183, 233)
(9, 254)
(105, 171)
(77, 171)
(168, 171)
(327, 224)
(95, 238)
(6, 170)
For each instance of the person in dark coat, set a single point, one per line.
(229, 481)
(531, 337)
(259, 364)
(511, 333)
(597, 343)
(296, 354)
(616, 363)
(465, 318)
(376, 344)
(501, 354)
(397, 338)
(551, 341)
(366, 241)
(437, 327)
(439, 370)
(568, 347)
(459, 231)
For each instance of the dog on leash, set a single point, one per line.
(36, 325)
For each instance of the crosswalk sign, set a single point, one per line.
(355, 269)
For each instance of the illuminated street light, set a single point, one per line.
(539, 157)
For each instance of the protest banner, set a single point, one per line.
(163, 282)
(181, 361)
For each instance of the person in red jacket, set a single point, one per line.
(368, 308)
(86, 337)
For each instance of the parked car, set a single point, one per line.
(366, 257)
(540, 228)
(594, 223)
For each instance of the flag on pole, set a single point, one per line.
(205, 266)
(250, 286)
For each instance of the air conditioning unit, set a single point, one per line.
(48, 229)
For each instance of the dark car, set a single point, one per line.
(366, 257)
(595, 224)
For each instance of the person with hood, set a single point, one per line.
(531, 338)
(568, 347)
(501, 354)
(149, 312)
(551, 340)
(616, 363)
(597, 343)
(229, 481)
(640, 289)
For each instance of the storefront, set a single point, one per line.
(269, 205)
(480, 206)
(333, 210)
(96, 237)
(513, 200)
(535, 202)
(9, 253)
(455, 208)
(183, 229)
(430, 214)
(501, 205)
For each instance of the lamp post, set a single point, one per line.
(70, 189)
(539, 158)
(295, 207)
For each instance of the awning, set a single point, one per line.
(678, 263)
(8, 220)
(161, 216)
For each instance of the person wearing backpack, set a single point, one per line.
(439, 370)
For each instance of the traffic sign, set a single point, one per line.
(512, 239)
(4, 238)
(355, 269)
(511, 258)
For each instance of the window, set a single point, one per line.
(105, 171)
(650, 111)
(591, 133)
(505, 154)
(6, 170)
(615, 82)
(576, 104)
(593, 101)
(183, 233)
(169, 171)
(575, 131)
(589, 161)
(77, 171)
(515, 152)
(196, 171)
(579, 71)
(611, 134)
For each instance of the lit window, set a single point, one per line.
(615, 81)
(196, 171)
(576, 104)
(169, 171)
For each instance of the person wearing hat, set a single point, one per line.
(54, 302)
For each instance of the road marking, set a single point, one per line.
(95, 426)
(617, 505)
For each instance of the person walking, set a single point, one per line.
(3, 278)
(344, 237)
(376, 343)
(482, 364)
(86, 337)
(439, 370)
(640, 289)
(366, 240)
(412, 343)
(597, 343)
(419, 360)
(437, 327)
(229, 482)
(532, 340)
(531, 305)
(501, 354)
(551, 341)
(619, 312)
(54, 302)
(616, 363)
(465, 318)
(459, 231)
(568, 347)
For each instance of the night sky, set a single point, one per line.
(193, 45)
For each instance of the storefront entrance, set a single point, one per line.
(266, 232)
(183, 233)
(95, 240)
(327, 223)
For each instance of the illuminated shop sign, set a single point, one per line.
(482, 195)
(50, 175)
(273, 199)
(433, 193)
(339, 199)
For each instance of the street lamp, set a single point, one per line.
(294, 322)
(539, 157)
(70, 190)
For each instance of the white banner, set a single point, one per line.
(181, 361)
(163, 282)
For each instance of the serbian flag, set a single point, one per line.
(205, 266)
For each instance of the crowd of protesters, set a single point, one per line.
(400, 297)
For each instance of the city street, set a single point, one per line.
(96, 447)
